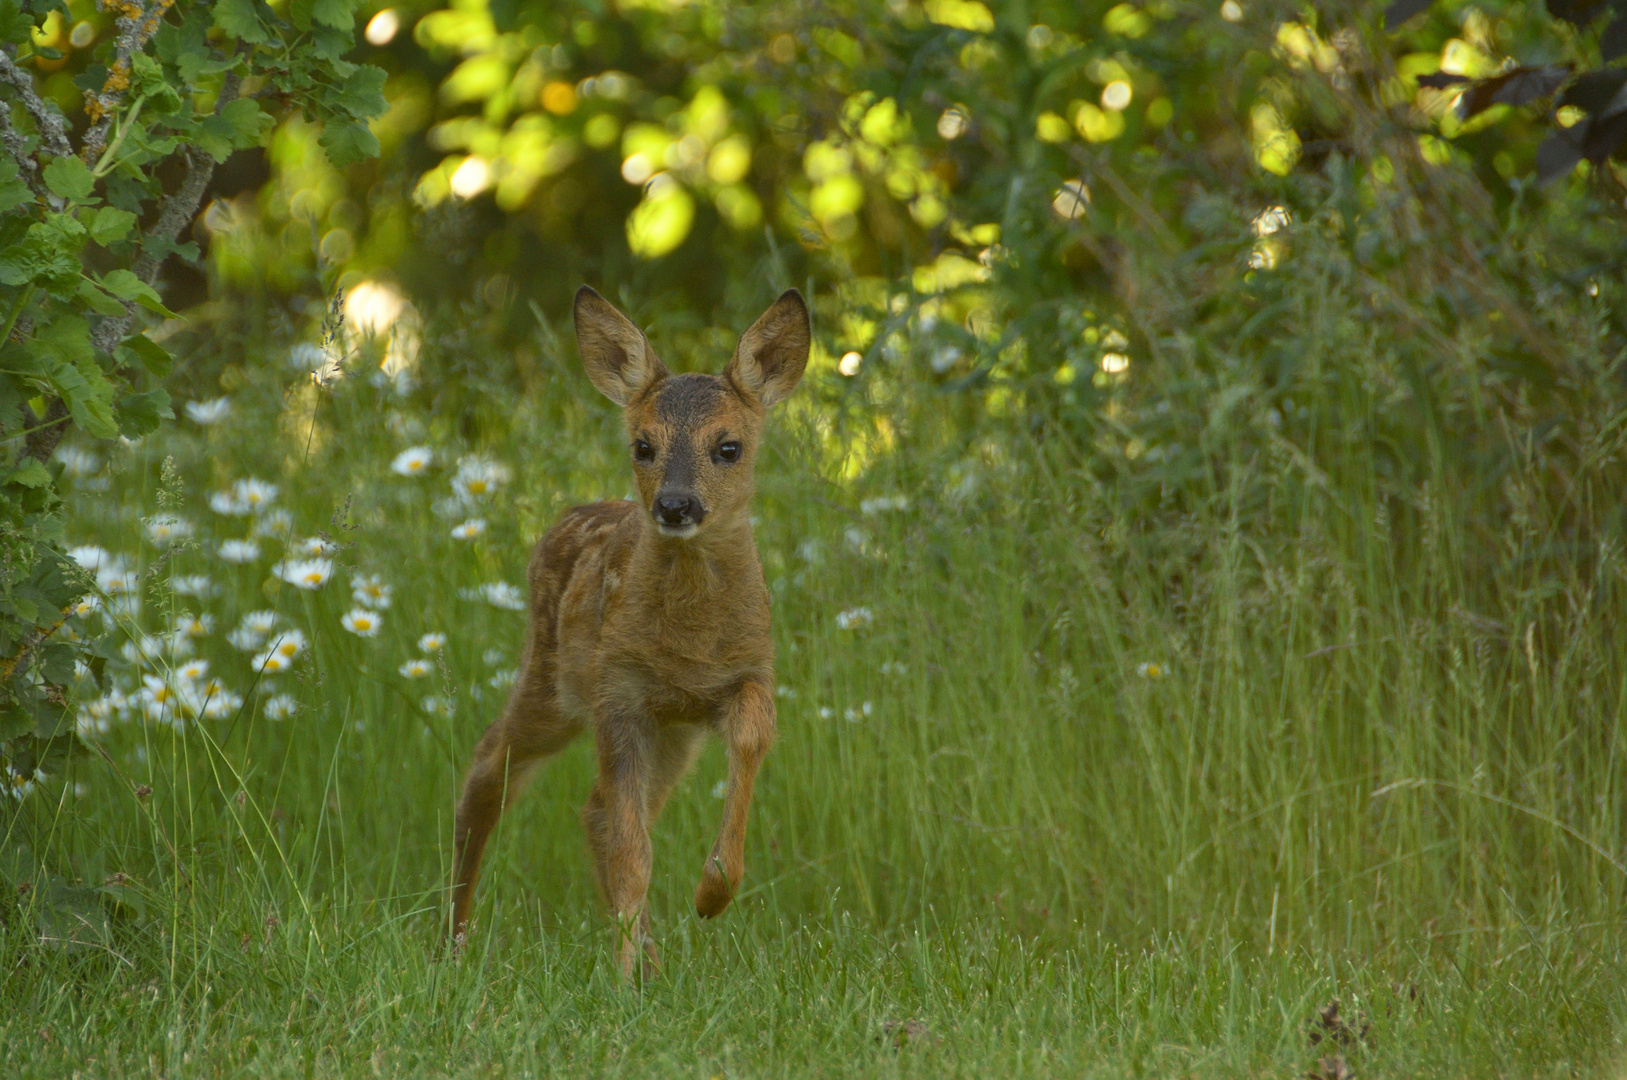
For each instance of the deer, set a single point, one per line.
(648, 622)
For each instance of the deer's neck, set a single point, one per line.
(715, 561)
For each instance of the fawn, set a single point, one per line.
(649, 621)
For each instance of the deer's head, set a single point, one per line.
(693, 438)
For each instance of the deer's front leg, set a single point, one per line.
(748, 729)
(618, 832)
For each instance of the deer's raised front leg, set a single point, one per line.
(748, 730)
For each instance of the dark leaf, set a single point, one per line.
(1596, 92)
(1516, 87)
(1575, 12)
(1613, 42)
(1556, 157)
(139, 414)
(1440, 80)
(143, 350)
(1603, 135)
(1401, 10)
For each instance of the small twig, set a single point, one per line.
(136, 28)
(53, 129)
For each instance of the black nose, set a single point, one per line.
(678, 510)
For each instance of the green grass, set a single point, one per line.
(1337, 781)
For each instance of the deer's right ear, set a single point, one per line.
(618, 358)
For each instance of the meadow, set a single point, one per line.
(1050, 798)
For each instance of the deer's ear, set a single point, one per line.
(615, 353)
(769, 360)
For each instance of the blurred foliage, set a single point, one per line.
(1174, 242)
(112, 122)
(1261, 248)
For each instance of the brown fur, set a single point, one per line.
(650, 639)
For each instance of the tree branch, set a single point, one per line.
(136, 28)
(53, 128)
(17, 146)
(179, 209)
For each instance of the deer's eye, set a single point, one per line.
(728, 451)
(643, 451)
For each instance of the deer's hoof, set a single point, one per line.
(713, 894)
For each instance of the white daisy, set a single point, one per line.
(194, 625)
(17, 785)
(219, 702)
(118, 580)
(317, 547)
(883, 503)
(287, 643)
(498, 594)
(209, 412)
(504, 679)
(192, 670)
(273, 524)
(304, 573)
(142, 650)
(416, 669)
(436, 705)
(432, 643)
(369, 590)
(93, 557)
(197, 585)
(413, 461)
(260, 622)
(167, 528)
(270, 663)
(77, 462)
(478, 477)
(227, 505)
(255, 494)
(239, 551)
(854, 618)
(469, 529)
(280, 707)
(242, 640)
(362, 622)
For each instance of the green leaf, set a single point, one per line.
(348, 143)
(30, 474)
(240, 21)
(69, 178)
(339, 14)
(14, 25)
(98, 300)
(239, 125)
(249, 122)
(64, 347)
(148, 353)
(362, 94)
(40, 257)
(111, 225)
(126, 286)
(65, 339)
(140, 413)
(299, 13)
(13, 191)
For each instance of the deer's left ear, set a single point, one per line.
(771, 355)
